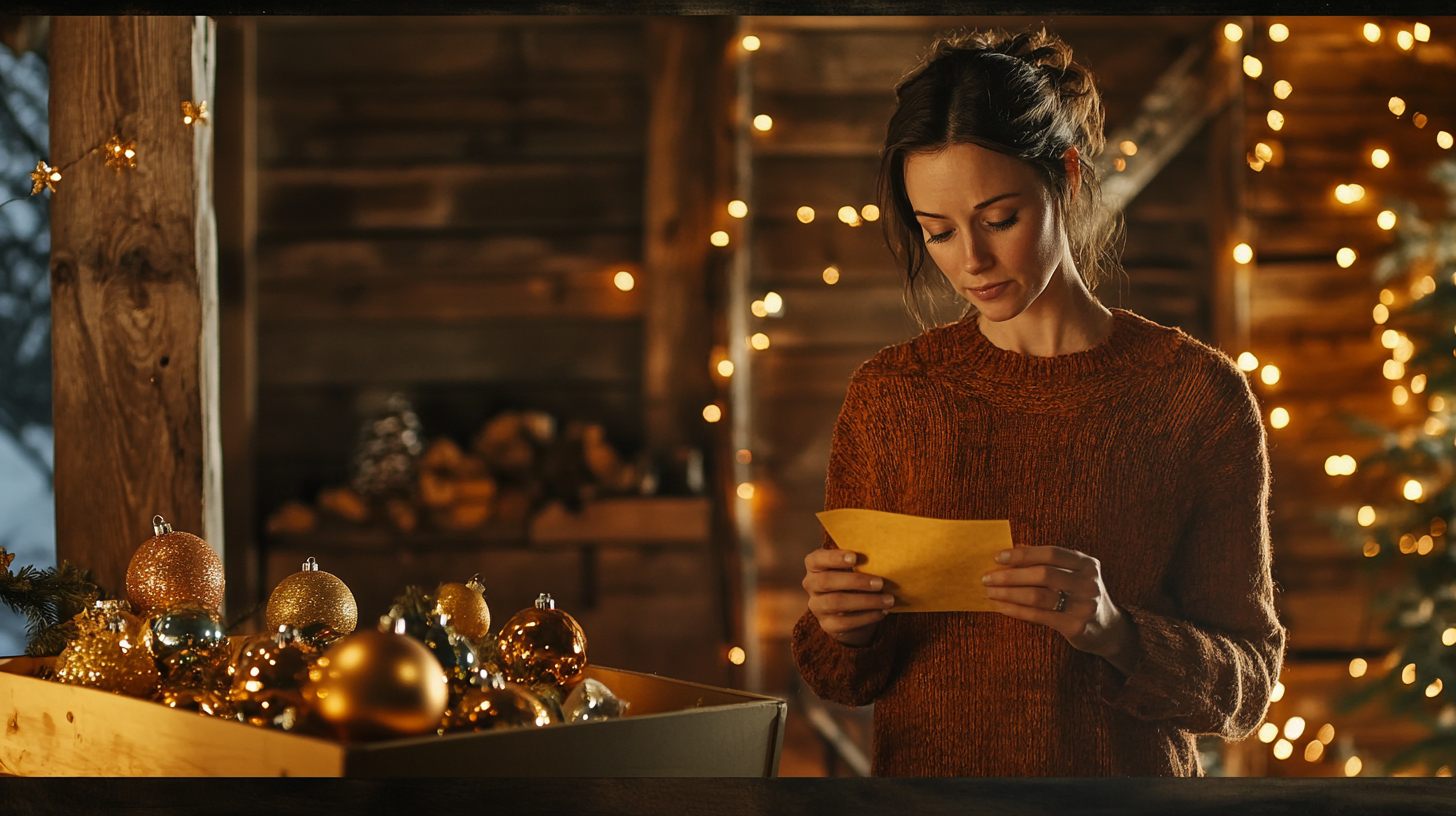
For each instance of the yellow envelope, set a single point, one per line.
(929, 565)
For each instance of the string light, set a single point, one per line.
(1358, 666)
(1282, 89)
(1444, 140)
(1405, 40)
(1279, 32)
(1397, 105)
(1264, 152)
(1387, 297)
(1345, 257)
(623, 280)
(1393, 370)
(1418, 384)
(805, 214)
(763, 122)
(1353, 766)
(745, 490)
(1326, 733)
(759, 341)
(718, 239)
(1386, 220)
(725, 368)
(1279, 418)
(736, 655)
(831, 275)
(737, 208)
(1119, 164)
(1283, 749)
(1313, 751)
(1422, 32)
(1413, 490)
(773, 303)
(1372, 32)
(759, 308)
(1399, 395)
(1365, 516)
(1437, 403)
(1349, 193)
(870, 212)
(1275, 119)
(1448, 637)
(1129, 147)
(712, 413)
(1233, 32)
(1269, 374)
(751, 43)
(1425, 545)
(1278, 693)
(1371, 548)
(1340, 465)
(1390, 338)
(1407, 544)
(1248, 362)
(849, 216)
(1379, 158)
(1268, 732)
(1380, 313)
(1252, 66)
(1419, 120)
(743, 456)
(1243, 253)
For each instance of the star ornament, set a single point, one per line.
(194, 114)
(120, 154)
(43, 177)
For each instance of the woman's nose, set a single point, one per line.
(974, 255)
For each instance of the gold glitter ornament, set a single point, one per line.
(465, 604)
(500, 704)
(172, 567)
(112, 653)
(542, 645)
(312, 596)
(373, 684)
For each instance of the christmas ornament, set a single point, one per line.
(389, 444)
(592, 700)
(120, 154)
(43, 177)
(113, 652)
(268, 676)
(499, 704)
(465, 604)
(377, 684)
(172, 567)
(315, 638)
(210, 702)
(542, 644)
(312, 596)
(191, 645)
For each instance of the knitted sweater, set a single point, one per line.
(1146, 452)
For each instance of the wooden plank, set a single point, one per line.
(640, 520)
(391, 259)
(828, 316)
(133, 292)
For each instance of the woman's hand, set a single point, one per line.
(848, 604)
(1029, 589)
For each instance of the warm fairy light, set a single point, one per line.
(1264, 152)
(1387, 297)
(750, 43)
(1448, 637)
(1275, 120)
(1425, 545)
(1129, 147)
(1436, 403)
(831, 275)
(1365, 516)
(773, 303)
(718, 239)
(1405, 40)
(736, 655)
(1349, 193)
(1248, 362)
(1358, 667)
(1434, 688)
(1313, 751)
(1279, 417)
(1268, 732)
(1279, 32)
(1444, 140)
(1422, 32)
(1345, 257)
(1278, 693)
(762, 122)
(1282, 89)
(1353, 766)
(1233, 32)
(805, 214)
(1252, 66)
(1293, 727)
(1413, 490)
(1372, 32)
(737, 208)
(1397, 105)
(1269, 374)
(1419, 120)
(1255, 163)
(870, 212)
(725, 368)
(1393, 370)
(1403, 350)
(759, 308)
(849, 216)
(712, 413)
(1407, 544)
(1243, 253)
(1340, 465)
(1371, 549)
(1326, 734)
(1283, 749)
(743, 456)
(1390, 338)
(759, 341)
(623, 280)
(1418, 384)
(1399, 395)
(1438, 526)
(1379, 158)
(1380, 313)
(1386, 220)
(745, 490)
(1119, 164)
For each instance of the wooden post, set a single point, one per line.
(1228, 223)
(133, 290)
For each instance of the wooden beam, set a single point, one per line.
(133, 279)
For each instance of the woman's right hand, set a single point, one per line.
(848, 604)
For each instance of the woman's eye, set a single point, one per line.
(1001, 225)
(935, 239)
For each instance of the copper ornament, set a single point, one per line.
(500, 704)
(373, 684)
(465, 604)
(268, 676)
(542, 645)
(172, 567)
(312, 596)
(209, 702)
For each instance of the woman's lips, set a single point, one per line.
(990, 292)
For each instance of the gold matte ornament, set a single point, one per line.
(172, 567)
(375, 684)
(312, 596)
(465, 604)
(113, 652)
(542, 645)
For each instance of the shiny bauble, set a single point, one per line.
(542, 645)
(499, 704)
(465, 604)
(268, 676)
(112, 652)
(312, 596)
(172, 567)
(191, 645)
(316, 638)
(591, 700)
(374, 684)
(209, 702)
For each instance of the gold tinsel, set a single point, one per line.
(172, 567)
(465, 604)
(312, 596)
(112, 652)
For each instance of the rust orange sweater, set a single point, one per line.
(1146, 452)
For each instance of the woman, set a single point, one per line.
(1136, 609)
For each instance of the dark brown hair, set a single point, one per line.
(1018, 94)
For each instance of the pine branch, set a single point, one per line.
(47, 599)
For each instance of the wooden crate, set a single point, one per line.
(674, 728)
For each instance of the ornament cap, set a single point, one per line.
(310, 565)
(476, 584)
(545, 601)
(160, 526)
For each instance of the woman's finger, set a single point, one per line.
(1052, 556)
(836, 624)
(824, 559)
(1037, 597)
(842, 581)
(1039, 575)
(838, 602)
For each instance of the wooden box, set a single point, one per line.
(673, 728)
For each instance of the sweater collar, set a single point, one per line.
(1136, 344)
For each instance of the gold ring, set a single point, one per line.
(1061, 601)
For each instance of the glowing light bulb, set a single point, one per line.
(1419, 120)
(725, 368)
(1387, 297)
(1293, 727)
(1264, 152)
(1268, 732)
(759, 308)
(1129, 147)
(831, 275)
(1326, 734)
(759, 341)
(1269, 374)
(1371, 549)
(848, 215)
(1233, 32)
(1380, 313)
(1371, 32)
(718, 239)
(805, 214)
(1386, 220)
(751, 43)
(1379, 158)
(1279, 417)
(1365, 516)
(1413, 490)
(763, 122)
(737, 208)
(1444, 140)
(870, 212)
(1313, 751)
(1283, 749)
(1345, 257)
(623, 280)
(773, 302)
(1390, 338)
(1279, 32)
(1282, 89)
(1425, 545)
(712, 413)
(1408, 674)
(1397, 105)
(1393, 370)
(1248, 362)
(1448, 637)
(1405, 40)
(745, 490)
(1252, 66)
(1243, 253)
(1418, 384)
(1421, 32)
(1275, 120)
(1353, 766)
(1358, 667)
(1399, 395)
(743, 456)
(736, 655)
(1278, 693)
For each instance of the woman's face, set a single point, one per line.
(989, 223)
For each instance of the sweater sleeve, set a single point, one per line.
(857, 476)
(1210, 667)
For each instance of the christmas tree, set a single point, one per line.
(1403, 528)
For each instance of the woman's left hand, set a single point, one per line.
(1028, 588)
